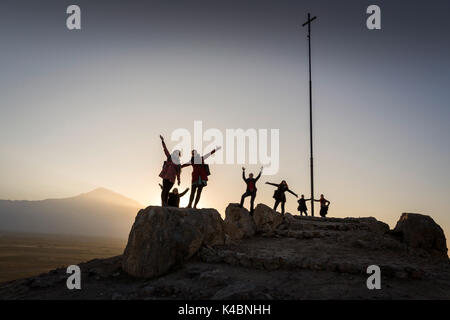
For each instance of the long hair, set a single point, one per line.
(196, 157)
(175, 157)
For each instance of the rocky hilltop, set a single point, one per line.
(194, 254)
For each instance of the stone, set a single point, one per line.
(416, 274)
(374, 225)
(117, 296)
(239, 223)
(215, 277)
(231, 259)
(282, 227)
(209, 255)
(163, 238)
(236, 291)
(245, 261)
(289, 219)
(346, 267)
(388, 270)
(360, 243)
(271, 263)
(331, 266)
(307, 235)
(401, 275)
(391, 244)
(420, 231)
(266, 218)
(147, 291)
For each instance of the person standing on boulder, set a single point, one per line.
(279, 195)
(302, 205)
(324, 203)
(171, 170)
(200, 173)
(251, 189)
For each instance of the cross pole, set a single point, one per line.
(308, 23)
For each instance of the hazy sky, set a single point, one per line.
(82, 109)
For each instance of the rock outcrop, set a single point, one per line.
(239, 223)
(266, 219)
(373, 224)
(421, 232)
(328, 256)
(164, 237)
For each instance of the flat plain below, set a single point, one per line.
(26, 254)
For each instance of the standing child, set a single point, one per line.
(302, 205)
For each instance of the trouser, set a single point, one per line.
(277, 202)
(167, 185)
(198, 189)
(303, 211)
(252, 195)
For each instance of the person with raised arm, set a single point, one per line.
(302, 205)
(200, 173)
(170, 171)
(251, 189)
(279, 195)
(324, 203)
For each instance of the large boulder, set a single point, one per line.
(420, 231)
(239, 223)
(374, 225)
(290, 219)
(165, 237)
(266, 219)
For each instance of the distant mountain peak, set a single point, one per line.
(101, 191)
(106, 195)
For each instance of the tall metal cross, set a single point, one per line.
(308, 23)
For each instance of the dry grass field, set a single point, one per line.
(25, 254)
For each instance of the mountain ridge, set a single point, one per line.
(97, 192)
(99, 212)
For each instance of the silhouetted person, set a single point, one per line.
(302, 205)
(324, 203)
(171, 170)
(279, 195)
(251, 189)
(174, 197)
(200, 173)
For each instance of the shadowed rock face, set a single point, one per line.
(163, 237)
(421, 232)
(266, 218)
(239, 223)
